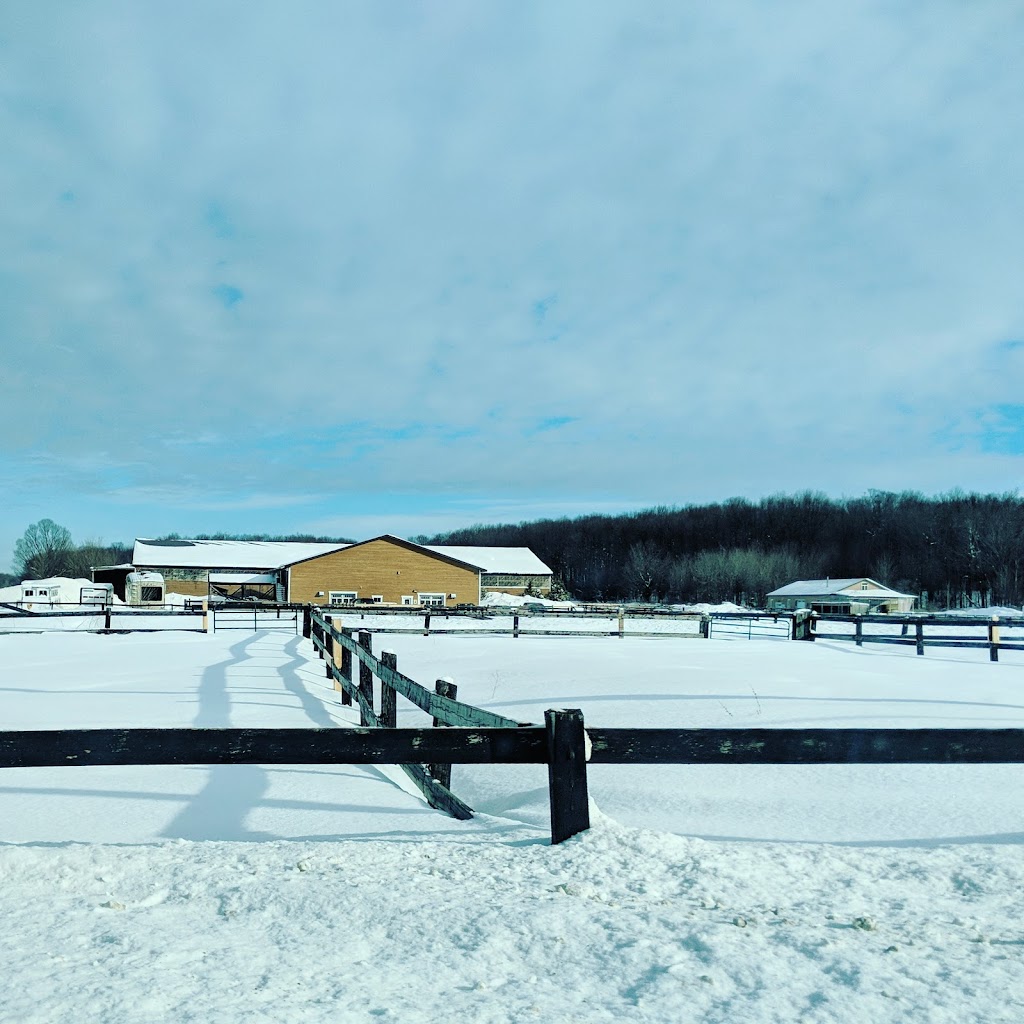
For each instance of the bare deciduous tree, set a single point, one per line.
(44, 550)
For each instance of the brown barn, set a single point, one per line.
(384, 570)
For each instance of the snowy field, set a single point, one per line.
(331, 893)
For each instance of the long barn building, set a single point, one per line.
(384, 570)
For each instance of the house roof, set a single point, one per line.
(226, 554)
(830, 587)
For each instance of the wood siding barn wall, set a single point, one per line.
(385, 568)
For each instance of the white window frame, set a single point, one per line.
(408, 599)
(377, 598)
(342, 596)
(432, 600)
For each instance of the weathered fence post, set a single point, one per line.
(705, 626)
(106, 618)
(622, 623)
(426, 624)
(206, 615)
(859, 632)
(567, 774)
(388, 694)
(443, 772)
(329, 652)
(515, 626)
(920, 637)
(365, 675)
(307, 623)
(346, 668)
(993, 639)
(337, 656)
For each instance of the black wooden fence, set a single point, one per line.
(477, 736)
(870, 629)
(127, 619)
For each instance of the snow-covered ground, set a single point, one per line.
(331, 893)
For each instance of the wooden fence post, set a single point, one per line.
(859, 632)
(443, 772)
(567, 774)
(622, 624)
(993, 639)
(365, 675)
(329, 653)
(426, 624)
(705, 626)
(515, 626)
(206, 615)
(920, 637)
(388, 695)
(106, 618)
(346, 668)
(307, 622)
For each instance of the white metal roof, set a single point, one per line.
(270, 554)
(518, 561)
(226, 554)
(826, 587)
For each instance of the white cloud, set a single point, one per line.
(259, 227)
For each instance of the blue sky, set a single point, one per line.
(355, 268)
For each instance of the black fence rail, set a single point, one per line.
(562, 743)
(792, 625)
(126, 617)
(869, 629)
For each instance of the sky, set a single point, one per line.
(358, 268)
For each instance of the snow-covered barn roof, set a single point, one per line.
(515, 561)
(270, 554)
(227, 554)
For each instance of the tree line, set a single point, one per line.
(953, 550)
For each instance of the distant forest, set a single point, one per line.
(952, 551)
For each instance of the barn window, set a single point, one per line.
(342, 596)
(434, 600)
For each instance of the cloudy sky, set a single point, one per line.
(351, 268)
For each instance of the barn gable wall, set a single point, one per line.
(383, 567)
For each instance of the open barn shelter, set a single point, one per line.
(385, 570)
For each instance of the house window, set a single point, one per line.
(342, 596)
(432, 600)
(30, 593)
(377, 598)
(408, 599)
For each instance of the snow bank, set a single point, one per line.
(493, 600)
